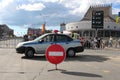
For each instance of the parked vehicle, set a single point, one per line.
(40, 44)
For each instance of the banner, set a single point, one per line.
(118, 20)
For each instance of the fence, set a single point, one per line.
(115, 43)
(10, 43)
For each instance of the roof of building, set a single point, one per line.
(107, 9)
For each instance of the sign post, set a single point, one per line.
(97, 20)
(55, 54)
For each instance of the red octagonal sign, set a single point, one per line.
(55, 54)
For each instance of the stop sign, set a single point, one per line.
(55, 54)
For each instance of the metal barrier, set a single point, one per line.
(115, 44)
(10, 43)
(105, 43)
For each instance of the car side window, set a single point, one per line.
(69, 39)
(48, 38)
(62, 38)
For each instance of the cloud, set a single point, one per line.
(70, 4)
(53, 1)
(79, 7)
(5, 3)
(43, 1)
(76, 7)
(32, 7)
(115, 10)
(114, 1)
(57, 11)
(25, 13)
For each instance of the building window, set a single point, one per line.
(114, 27)
(107, 33)
(86, 33)
(92, 33)
(80, 33)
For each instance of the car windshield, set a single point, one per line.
(39, 38)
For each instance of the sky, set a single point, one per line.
(19, 15)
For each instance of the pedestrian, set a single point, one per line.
(102, 44)
(110, 41)
(119, 42)
(30, 37)
(75, 36)
(25, 37)
(95, 42)
(99, 42)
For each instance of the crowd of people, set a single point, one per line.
(99, 43)
(28, 37)
(94, 43)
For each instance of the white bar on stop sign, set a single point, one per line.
(55, 53)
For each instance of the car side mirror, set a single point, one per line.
(41, 41)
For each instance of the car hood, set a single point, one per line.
(25, 43)
(77, 40)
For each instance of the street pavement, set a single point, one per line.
(89, 65)
(113, 48)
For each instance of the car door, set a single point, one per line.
(63, 40)
(45, 43)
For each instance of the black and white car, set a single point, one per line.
(40, 44)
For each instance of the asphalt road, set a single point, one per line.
(90, 65)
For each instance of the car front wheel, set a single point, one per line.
(29, 53)
(71, 53)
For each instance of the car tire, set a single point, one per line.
(29, 53)
(70, 53)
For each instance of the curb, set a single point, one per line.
(118, 49)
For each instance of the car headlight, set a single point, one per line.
(19, 45)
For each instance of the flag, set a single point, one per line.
(118, 20)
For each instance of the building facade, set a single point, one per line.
(62, 27)
(34, 32)
(84, 26)
(6, 32)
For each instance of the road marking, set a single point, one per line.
(95, 67)
(113, 49)
(115, 58)
(106, 71)
(88, 65)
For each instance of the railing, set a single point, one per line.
(10, 43)
(115, 44)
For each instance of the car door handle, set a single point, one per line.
(67, 43)
(51, 43)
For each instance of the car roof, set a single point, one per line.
(55, 33)
(58, 34)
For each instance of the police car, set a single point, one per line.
(40, 44)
